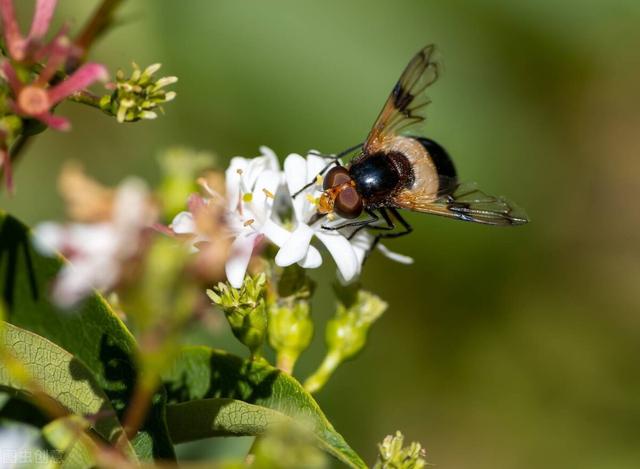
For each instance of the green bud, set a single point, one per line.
(290, 332)
(392, 454)
(180, 167)
(245, 309)
(346, 333)
(139, 96)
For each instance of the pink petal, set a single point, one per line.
(42, 19)
(55, 122)
(15, 41)
(11, 76)
(81, 78)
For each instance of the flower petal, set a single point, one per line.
(13, 38)
(81, 78)
(312, 260)
(236, 266)
(342, 252)
(263, 195)
(296, 247)
(48, 238)
(183, 223)
(41, 19)
(295, 171)
(55, 122)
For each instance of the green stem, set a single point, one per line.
(317, 380)
(85, 97)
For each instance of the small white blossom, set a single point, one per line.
(96, 251)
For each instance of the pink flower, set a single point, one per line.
(20, 48)
(36, 99)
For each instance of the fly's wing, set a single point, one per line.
(466, 202)
(407, 102)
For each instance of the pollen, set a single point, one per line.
(331, 216)
(247, 197)
(312, 200)
(319, 179)
(268, 193)
(239, 171)
(249, 222)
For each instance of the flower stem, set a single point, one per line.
(285, 362)
(85, 97)
(317, 380)
(97, 25)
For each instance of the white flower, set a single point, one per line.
(298, 173)
(251, 188)
(96, 251)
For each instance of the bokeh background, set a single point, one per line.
(508, 348)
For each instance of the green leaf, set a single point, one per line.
(210, 384)
(60, 376)
(92, 332)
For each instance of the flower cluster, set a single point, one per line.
(260, 207)
(138, 96)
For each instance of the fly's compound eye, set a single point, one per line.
(348, 203)
(336, 176)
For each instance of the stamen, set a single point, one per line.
(312, 200)
(319, 179)
(247, 197)
(268, 193)
(250, 221)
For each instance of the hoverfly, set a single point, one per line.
(397, 170)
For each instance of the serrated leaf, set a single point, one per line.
(93, 333)
(60, 376)
(210, 380)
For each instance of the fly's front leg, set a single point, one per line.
(335, 161)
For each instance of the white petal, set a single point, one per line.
(401, 258)
(312, 260)
(271, 157)
(261, 203)
(232, 180)
(315, 164)
(236, 266)
(295, 170)
(296, 247)
(48, 238)
(277, 234)
(183, 223)
(342, 252)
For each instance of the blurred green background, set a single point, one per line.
(501, 348)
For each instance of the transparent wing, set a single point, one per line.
(407, 102)
(467, 203)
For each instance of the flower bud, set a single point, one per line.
(139, 96)
(346, 333)
(290, 331)
(245, 309)
(392, 454)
